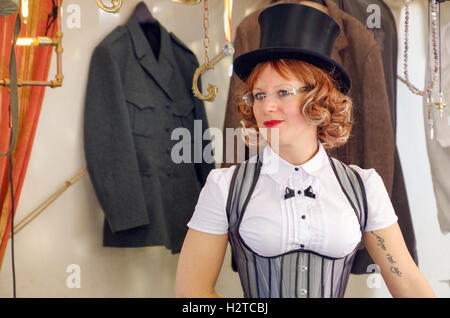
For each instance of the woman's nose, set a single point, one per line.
(270, 103)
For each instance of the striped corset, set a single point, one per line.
(299, 273)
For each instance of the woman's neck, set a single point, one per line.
(298, 153)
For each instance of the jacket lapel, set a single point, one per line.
(341, 41)
(161, 70)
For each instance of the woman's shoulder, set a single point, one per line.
(369, 177)
(221, 177)
(210, 211)
(381, 213)
(365, 174)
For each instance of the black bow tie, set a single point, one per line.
(289, 193)
(309, 192)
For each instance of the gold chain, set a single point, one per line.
(206, 25)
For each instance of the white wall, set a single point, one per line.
(70, 230)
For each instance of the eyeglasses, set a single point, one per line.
(281, 95)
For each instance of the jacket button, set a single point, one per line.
(304, 268)
(299, 192)
(302, 245)
(167, 129)
(296, 169)
(303, 291)
(168, 174)
(303, 216)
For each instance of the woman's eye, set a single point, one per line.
(259, 96)
(283, 93)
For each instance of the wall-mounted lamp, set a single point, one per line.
(40, 41)
(115, 6)
(24, 9)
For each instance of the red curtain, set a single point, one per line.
(33, 63)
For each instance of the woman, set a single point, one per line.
(293, 229)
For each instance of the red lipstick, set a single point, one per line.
(272, 123)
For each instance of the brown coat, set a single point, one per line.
(371, 143)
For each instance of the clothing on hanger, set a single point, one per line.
(149, 25)
(387, 38)
(133, 103)
(438, 148)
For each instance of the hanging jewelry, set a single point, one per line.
(429, 95)
(434, 64)
(440, 106)
(405, 80)
(206, 26)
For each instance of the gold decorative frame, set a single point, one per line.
(116, 5)
(188, 1)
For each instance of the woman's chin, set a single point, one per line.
(277, 141)
(270, 134)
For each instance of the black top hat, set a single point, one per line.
(294, 31)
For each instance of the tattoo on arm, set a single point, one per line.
(390, 258)
(396, 271)
(380, 241)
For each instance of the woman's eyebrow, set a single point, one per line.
(285, 84)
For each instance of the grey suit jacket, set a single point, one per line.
(133, 103)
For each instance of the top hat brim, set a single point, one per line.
(243, 65)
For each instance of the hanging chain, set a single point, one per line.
(441, 104)
(431, 80)
(429, 101)
(431, 85)
(206, 26)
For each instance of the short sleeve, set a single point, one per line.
(210, 211)
(380, 212)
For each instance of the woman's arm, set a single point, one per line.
(199, 264)
(401, 275)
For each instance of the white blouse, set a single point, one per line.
(273, 225)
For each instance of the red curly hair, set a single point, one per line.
(323, 104)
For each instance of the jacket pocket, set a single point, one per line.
(146, 172)
(183, 112)
(183, 108)
(145, 113)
